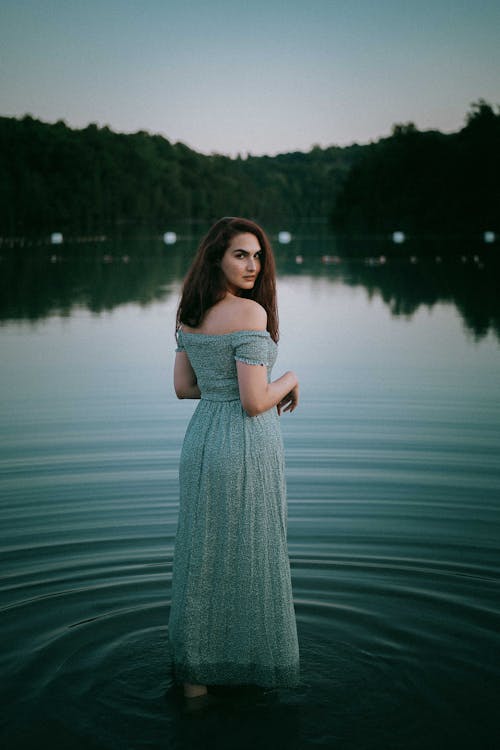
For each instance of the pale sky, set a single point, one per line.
(260, 77)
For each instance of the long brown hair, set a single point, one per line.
(205, 282)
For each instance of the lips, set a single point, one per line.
(249, 278)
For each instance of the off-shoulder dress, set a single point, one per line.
(232, 617)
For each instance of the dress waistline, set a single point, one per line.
(215, 397)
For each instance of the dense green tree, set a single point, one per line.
(93, 180)
(426, 182)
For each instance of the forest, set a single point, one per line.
(426, 182)
(93, 180)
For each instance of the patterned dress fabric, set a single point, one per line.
(232, 619)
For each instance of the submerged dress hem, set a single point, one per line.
(230, 673)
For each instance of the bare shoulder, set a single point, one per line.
(249, 314)
(232, 314)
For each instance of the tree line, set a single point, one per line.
(426, 182)
(93, 180)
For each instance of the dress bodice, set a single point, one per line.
(213, 358)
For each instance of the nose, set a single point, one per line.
(251, 265)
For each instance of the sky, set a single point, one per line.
(255, 77)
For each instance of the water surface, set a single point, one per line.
(393, 480)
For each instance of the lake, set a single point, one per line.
(393, 477)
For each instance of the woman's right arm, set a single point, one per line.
(257, 395)
(185, 383)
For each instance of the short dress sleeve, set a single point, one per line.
(178, 337)
(252, 347)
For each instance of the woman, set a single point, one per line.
(232, 619)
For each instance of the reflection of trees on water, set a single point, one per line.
(54, 281)
(471, 286)
(468, 282)
(98, 278)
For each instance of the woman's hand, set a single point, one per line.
(290, 401)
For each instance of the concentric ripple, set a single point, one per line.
(393, 528)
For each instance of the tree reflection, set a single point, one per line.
(100, 277)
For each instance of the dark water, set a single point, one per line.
(393, 479)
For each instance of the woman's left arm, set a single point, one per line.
(185, 383)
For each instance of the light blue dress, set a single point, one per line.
(232, 619)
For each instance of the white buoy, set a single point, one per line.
(299, 259)
(56, 238)
(170, 238)
(489, 237)
(284, 238)
(398, 237)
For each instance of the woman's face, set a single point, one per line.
(241, 263)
